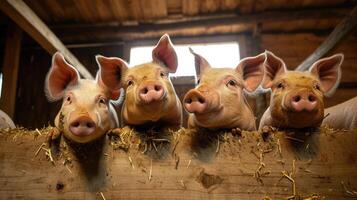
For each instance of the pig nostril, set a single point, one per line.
(75, 124)
(312, 98)
(201, 100)
(90, 125)
(145, 90)
(188, 101)
(296, 98)
(157, 87)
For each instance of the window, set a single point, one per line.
(217, 54)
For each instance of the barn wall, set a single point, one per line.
(32, 108)
(294, 48)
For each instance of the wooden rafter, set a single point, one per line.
(25, 18)
(336, 36)
(173, 25)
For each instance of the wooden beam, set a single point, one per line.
(10, 69)
(177, 25)
(189, 167)
(20, 13)
(337, 35)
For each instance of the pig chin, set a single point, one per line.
(299, 119)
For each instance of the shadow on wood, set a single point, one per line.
(244, 166)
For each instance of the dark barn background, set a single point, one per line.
(291, 29)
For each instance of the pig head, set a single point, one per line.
(86, 112)
(297, 97)
(150, 97)
(218, 101)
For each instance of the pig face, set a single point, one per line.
(86, 113)
(149, 93)
(297, 97)
(218, 101)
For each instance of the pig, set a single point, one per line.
(342, 116)
(297, 97)
(218, 101)
(5, 121)
(150, 98)
(86, 113)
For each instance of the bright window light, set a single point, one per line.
(218, 55)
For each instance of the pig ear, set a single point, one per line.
(200, 63)
(252, 71)
(165, 54)
(328, 70)
(110, 74)
(60, 76)
(273, 67)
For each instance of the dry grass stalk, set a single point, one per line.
(290, 177)
(150, 173)
(39, 149)
(348, 191)
(102, 195)
(131, 162)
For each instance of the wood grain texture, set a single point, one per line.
(346, 26)
(10, 69)
(233, 171)
(25, 18)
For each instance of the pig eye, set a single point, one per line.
(198, 81)
(69, 100)
(280, 85)
(162, 74)
(102, 101)
(317, 87)
(231, 83)
(130, 82)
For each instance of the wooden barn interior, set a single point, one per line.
(33, 30)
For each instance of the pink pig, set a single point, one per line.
(218, 101)
(5, 121)
(342, 116)
(297, 97)
(86, 113)
(150, 97)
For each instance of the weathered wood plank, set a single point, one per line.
(245, 167)
(233, 23)
(346, 26)
(19, 12)
(10, 69)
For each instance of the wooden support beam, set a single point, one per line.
(337, 35)
(76, 32)
(20, 13)
(184, 167)
(10, 69)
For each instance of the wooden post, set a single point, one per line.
(336, 36)
(20, 13)
(10, 69)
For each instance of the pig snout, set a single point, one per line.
(151, 92)
(195, 102)
(82, 126)
(303, 101)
